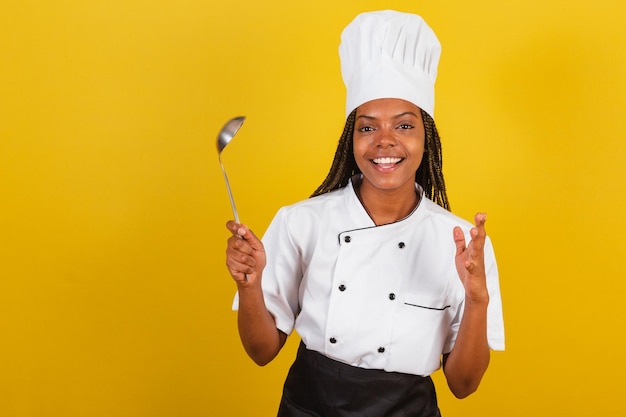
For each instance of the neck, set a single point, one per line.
(387, 206)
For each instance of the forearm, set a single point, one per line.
(465, 366)
(257, 329)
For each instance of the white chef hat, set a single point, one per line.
(388, 54)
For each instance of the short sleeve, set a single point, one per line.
(495, 320)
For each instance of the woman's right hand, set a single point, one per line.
(245, 259)
(245, 254)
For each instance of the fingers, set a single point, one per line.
(470, 254)
(475, 247)
(242, 231)
(478, 233)
(235, 228)
(242, 252)
(479, 221)
(239, 258)
(459, 240)
(238, 262)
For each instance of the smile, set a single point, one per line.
(386, 161)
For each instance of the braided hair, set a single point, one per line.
(429, 174)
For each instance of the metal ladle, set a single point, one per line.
(226, 135)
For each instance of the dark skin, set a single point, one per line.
(388, 147)
(245, 259)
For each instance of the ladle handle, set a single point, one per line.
(230, 193)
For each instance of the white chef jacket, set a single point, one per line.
(380, 297)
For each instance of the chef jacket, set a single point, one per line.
(379, 297)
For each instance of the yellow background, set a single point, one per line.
(114, 297)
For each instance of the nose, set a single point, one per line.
(386, 138)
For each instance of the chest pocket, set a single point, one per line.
(425, 302)
(425, 320)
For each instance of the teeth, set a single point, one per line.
(387, 160)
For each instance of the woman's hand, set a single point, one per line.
(470, 260)
(245, 254)
(466, 364)
(245, 259)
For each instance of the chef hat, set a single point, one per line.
(388, 54)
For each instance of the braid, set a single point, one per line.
(429, 175)
(344, 166)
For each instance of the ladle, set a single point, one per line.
(226, 135)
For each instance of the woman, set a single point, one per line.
(381, 283)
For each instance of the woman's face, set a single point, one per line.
(388, 144)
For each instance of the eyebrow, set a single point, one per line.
(365, 116)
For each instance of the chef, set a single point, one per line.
(381, 281)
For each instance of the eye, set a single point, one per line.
(405, 126)
(366, 129)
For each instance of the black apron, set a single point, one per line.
(317, 386)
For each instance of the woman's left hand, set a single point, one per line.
(470, 260)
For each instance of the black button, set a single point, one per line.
(392, 296)
(401, 245)
(342, 287)
(347, 239)
(381, 350)
(333, 340)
